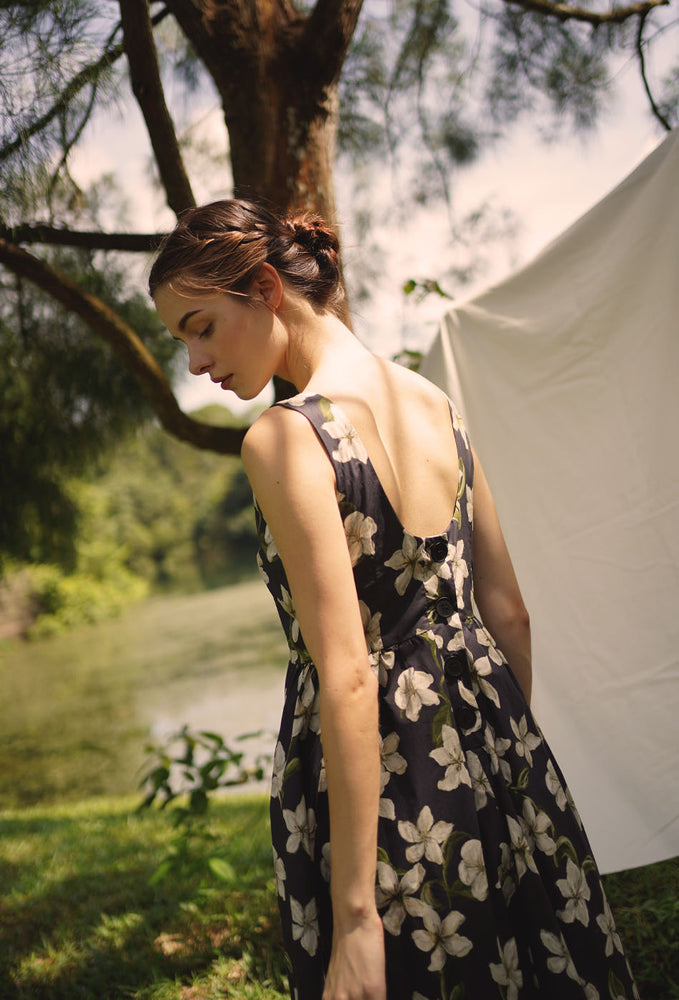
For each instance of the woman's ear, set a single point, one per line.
(268, 287)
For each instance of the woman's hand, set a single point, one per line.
(356, 970)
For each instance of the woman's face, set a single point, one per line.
(235, 340)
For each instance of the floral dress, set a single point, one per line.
(485, 880)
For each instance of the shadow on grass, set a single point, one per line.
(79, 918)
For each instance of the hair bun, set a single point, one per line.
(313, 235)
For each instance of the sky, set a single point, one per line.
(546, 185)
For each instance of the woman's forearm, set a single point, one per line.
(349, 729)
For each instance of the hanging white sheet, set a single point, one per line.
(567, 375)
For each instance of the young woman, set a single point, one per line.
(425, 844)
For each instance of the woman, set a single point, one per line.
(428, 847)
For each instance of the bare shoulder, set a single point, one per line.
(281, 447)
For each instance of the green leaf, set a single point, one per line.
(222, 869)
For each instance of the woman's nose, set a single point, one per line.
(198, 362)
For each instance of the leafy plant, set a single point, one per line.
(188, 768)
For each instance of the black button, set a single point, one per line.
(444, 607)
(438, 550)
(454, 666)
(466, 716)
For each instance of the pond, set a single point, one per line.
(79, 708)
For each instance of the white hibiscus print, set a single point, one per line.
(307, 709)
(496, 747)
(536, 825)
(391, 760)
(480, 668)
(285, 601)
(410, 561)
(460, 568)
(576, 892)
(561, 960)
(349, 443)
(507, 972)
(555, 786)
(397, 894)
(381, 663)
(302, 827)
(451, 756)
(278, 770)
(525, 741)
(441, 937)
(279, 872)
(413, 692)
(305, 924)
(480, 783)
(472, 869)
(426, 837)
(523, 854)
(371, 627)
(607, 925)
(359, 530)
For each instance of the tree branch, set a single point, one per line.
(55, 236)
(129, 348)
(71, 90)
(148, 90)
(327, 36)
(642, 69)
(564, 12)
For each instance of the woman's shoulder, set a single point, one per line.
(280, 440)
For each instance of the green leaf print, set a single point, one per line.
(565, 849)
(325, 406)
(441, 718)
(290, 768)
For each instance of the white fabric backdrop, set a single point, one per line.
(567, 375)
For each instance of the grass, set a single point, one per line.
(80, 919)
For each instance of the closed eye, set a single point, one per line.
(206, 331)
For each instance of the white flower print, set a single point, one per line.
(390, 890)
(391, 760)
(505, 873)
(480, 783)
(262, 572)
(472, 869)
(592, 993)
(426, 837)
(278, 770)
(576, 892)
(496, 747)
(507, 972)
(484, 638)
(386, 809)
(305, 924)
(410, 560)
(381, 663)
(325, 861)
(302, 826)
(470, 504)
(536, 824)
(307, 711)
(451, 756)
(480, 668)
(271, 550)
(413, 692)
(525, 741)
(279, 872)
(457, 642)
(359, 530)
(460, 568)
(441, 937)
(561, 960)
(285, 601)
(349, 443)
(555, 786)
(371, 627)
(607, 925)
(523, 855)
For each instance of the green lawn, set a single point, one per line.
(80, 920)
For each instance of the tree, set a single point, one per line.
(293, 80)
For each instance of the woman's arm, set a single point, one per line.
(495, 585)
(294, 483)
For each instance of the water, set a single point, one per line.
(78, 709)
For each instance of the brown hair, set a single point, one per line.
(220, 247)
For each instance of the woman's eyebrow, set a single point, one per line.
(185, 318)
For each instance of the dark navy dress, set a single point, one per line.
(485, 882)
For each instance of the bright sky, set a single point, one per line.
(546, 185)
